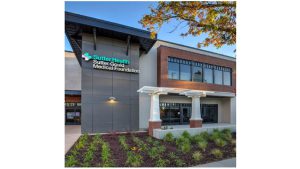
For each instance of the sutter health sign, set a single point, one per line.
(107, 63)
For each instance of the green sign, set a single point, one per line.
(87, 57)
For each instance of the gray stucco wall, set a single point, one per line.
(98, 115)
(72, 72)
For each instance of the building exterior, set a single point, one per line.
(118, 79)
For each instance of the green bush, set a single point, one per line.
(134, 160)
(185, 147)
(156, 143)
(186, 134)
(226, 134)
(161, 163)
(122, 141)
(217, 153)
(215, 134)
(220, 142)
(172, 155)
(70, 161)
(149, 140)
(179, 163)
(197, 156)
(202, 145)
(106, 156)
(161, 149)
(169, 137)
(205, 135)
(153, 152)
(181, 140)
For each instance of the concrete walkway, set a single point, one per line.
(224, 163)
(72, 133)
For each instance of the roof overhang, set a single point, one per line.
(76, 24)
(181, 91)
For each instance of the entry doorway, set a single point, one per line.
(175, 113)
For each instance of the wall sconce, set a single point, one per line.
(112, 99)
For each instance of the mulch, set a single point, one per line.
(119, 156)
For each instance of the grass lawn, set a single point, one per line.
(141, 150)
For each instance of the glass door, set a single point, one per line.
(185, 115)
(209, 113)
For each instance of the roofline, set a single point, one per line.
(214, 53)
(95, 22)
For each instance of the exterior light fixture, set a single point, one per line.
(112, 99)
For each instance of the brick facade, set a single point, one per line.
(72, 99)
(164, 52)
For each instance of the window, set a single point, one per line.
(173, 68)
(208, 73)
(185, 70)
(197, 72)
(218, 77)
(227, 76)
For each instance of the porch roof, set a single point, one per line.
(182, 91)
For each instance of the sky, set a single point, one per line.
(129, 13)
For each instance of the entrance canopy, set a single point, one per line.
(181, 91)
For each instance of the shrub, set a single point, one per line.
(169, 137)
(88, 156)
(215, 135)
(153, 152)
(149, 140)
(156, 143)
(134, 160)
(106, 156)
(181, 140)
(186, 134)
(179, 163)
(197, 156)
(161, 149)
(122, 141)
(172, 155)
(226, 134)
(205, 135)
(161, 163)
(71, 161)
(202, 145)
(185, 147)
(217, 153)
(220, 142)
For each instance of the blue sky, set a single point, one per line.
(129, 13)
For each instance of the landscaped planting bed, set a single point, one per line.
(141, 150)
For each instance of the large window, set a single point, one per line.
(185, 70)
(218, 76)
(181, 69)
(208, 73)
(197, 72)
(227, 76)
(173, 68)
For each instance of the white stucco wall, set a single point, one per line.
(72, 72)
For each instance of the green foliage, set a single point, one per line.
(70, 161)
(179, 163)
(185, 147)
(202, 145)
(204, 135)
(153, 152)
(161, 163)
(156, 143)
(161, 149)
(172, 155)
(169, 137)
(140, 143)
(149, 140)
(217, 153)
(106, 155)
(226, 134)
(186, 134)
(134, 160)
(122, 141)
(217, 19)
(181, 140)
(220, 142)
(197, 156)
(215, 134)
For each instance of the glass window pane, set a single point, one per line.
(185, 72)
(173, 70)
(218, 77)
(197, 74)
(208, 75)
(227, 78)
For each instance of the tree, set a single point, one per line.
(217, 19)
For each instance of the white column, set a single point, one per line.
(196, 109)
(154, 108)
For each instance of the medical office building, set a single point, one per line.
(119, 79)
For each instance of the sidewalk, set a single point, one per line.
(72, 133)
(224, 163)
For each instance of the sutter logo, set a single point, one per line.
(86, 56)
